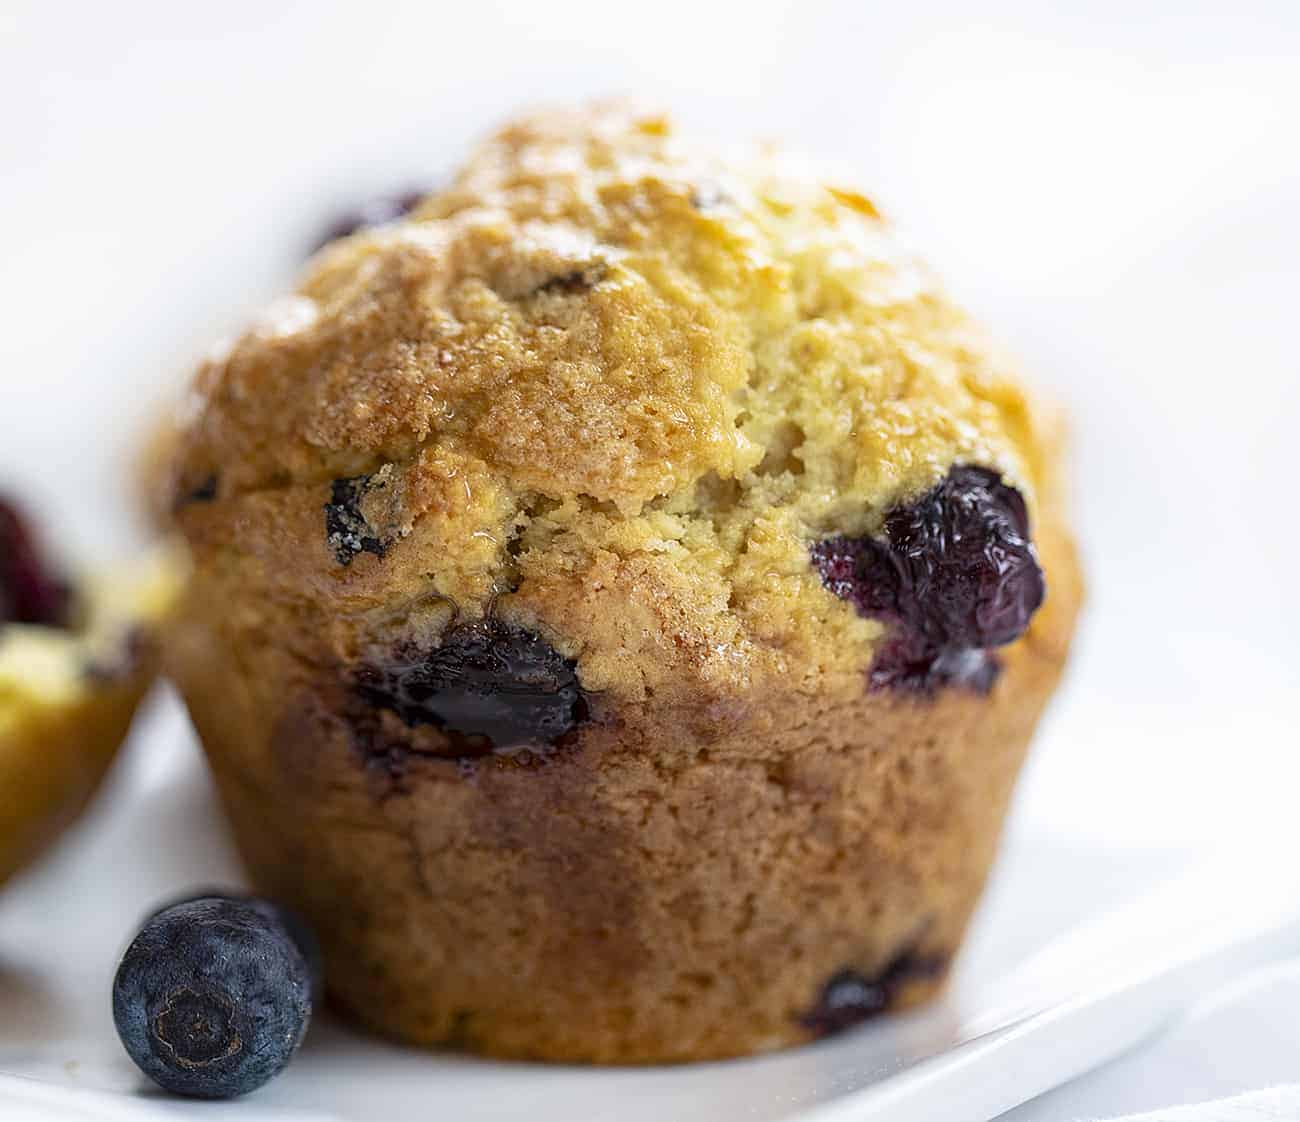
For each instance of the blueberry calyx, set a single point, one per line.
(197, 1028)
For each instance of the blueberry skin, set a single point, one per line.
(376, 211)
(489, 685)
(298, 928)
(848, 998)
(213, 997)
(954, 575)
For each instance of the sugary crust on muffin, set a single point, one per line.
(609, 387)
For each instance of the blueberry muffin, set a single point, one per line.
(624, 590)
(75, 659)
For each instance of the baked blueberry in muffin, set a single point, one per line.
(75, 660)
(376, 211)
(629, 592)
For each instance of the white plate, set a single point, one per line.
(1044, 990)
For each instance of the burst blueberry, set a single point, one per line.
(489, 685)
(346, 529)
(213, 996)
(954, 575)
(848, 998)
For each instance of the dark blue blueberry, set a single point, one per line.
(213, 996)
(489, 685)
(373, 212)
(298, 928)
(954, 575)
(849, 998)
(30, 590)
(346, 529)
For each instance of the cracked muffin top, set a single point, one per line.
(640, 400)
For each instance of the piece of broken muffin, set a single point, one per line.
(75, 659)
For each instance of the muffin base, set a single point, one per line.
(669, 886)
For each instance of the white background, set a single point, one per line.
(1115, 185)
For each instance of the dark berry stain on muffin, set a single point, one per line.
(373, 212)
(30, 590)
(849, 998)
(490, 686)
(203, 492)
(346, 528)
(569, 284)
(954, 575)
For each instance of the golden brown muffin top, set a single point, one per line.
(613, 386)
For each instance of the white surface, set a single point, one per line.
(1277, 1104)
(1204, 1068)
(1052, 984)
(1115, 186)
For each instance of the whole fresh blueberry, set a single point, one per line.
(213, 996)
